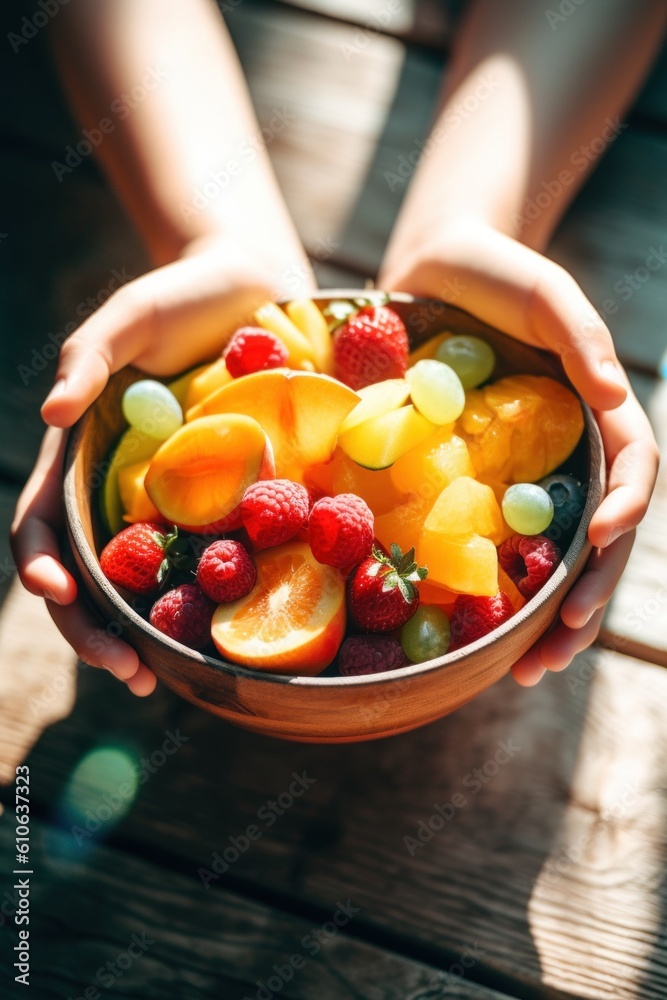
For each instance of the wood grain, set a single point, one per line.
(595, 928)
(89, 908)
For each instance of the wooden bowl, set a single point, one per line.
(326, 709)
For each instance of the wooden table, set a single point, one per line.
(548, 880)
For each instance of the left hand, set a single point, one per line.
(517, 290)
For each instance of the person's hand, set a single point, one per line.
(163, 322)
(517, 290)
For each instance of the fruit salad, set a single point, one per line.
(318, 498)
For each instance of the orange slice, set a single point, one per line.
(292, 621)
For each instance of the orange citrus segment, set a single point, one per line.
(292, 621)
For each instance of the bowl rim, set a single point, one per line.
(595, 494)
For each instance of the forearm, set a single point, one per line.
(181, 145)
(528, 106)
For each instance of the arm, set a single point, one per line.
(162, 86)
(528, 103)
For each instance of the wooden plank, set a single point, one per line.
(635, 620)
(124, 927)
(571, 746)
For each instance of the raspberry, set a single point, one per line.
(529, 560)
(252, 349)
(340, 529)
(184, 614)
(372, 345)
(474, 617)
(370, 654)
(226, 572)
(273, 511)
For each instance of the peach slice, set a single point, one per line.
(292, 621)
(197, 476)
(137, 505)
(205, 381)
(378, 442)
(299, 411)
(301, 353)
(308, 318)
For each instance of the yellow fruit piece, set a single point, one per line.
(499, 489)
(520, 428)
(467, 565)
(181, 385)
(466, 507)
(377, 443)
(299, 411)
(402, 524)
(376, 400)
(431, 593)
(205, 381)
(308, 318)
(342, 475)
(271, 317)
(433, 464)
(137, 505)
(508, 586)
(134, 446)
(428, 348)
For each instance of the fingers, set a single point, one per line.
(597, 584)
(33, 535)
(111, 338)
(633, 458)
(517, 290)
(555, 651)
(96, 647)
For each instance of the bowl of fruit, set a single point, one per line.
(350, 523)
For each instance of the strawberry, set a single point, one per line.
(370, 343)
(184, 614)
(474, 617)
(529, 560)
(273, 511)
(252, 349)
(382, 591)
(340, 530)
(136, 558)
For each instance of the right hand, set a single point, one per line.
(163, 322)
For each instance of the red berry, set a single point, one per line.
(226, 572)
(136, 558)
(184, 614)
(529, 560)
(252, 349)
(370, 346)
(382, 593)
(340, 530)
(274, 511)
(474, 617)
(370, 654)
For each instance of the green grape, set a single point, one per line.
(472, 359)
(152, 408)
(527, 508)
(426, 634)
(436, 391)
